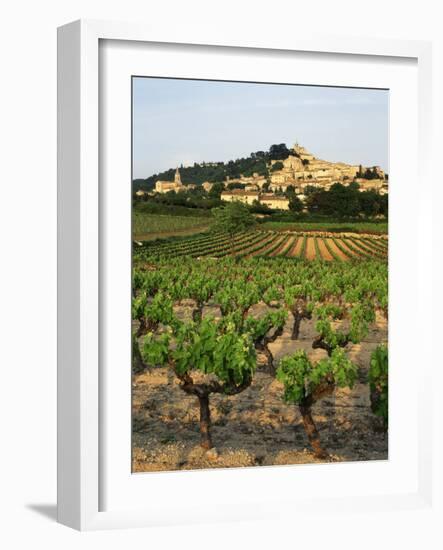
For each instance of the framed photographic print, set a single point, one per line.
(232, 267)
(260, 283)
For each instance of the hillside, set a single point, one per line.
(211, 171)
(279, 166)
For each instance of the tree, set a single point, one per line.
(216, 190)
(277, 166)
(341, 201)
(232, 219)
(354, 186)
(370, 203)
(259, 208)
(235, 185)
(310, 189)
(295, 204)
(279, 152)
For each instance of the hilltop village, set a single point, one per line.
(299, 173)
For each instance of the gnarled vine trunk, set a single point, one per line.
(138, 365)
(299, 315)
(296, 325)
(263, 346)
(203, 391)
(205, 421)
(312, 432)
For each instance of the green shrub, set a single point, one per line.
(378, 383)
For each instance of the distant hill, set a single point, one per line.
(218, 171)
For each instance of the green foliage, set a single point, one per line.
(172, 204)
(232, 218)
(361, 314)
(223, 348)
(295, 204)
(302, 378)
(277, 166)
(159, 310)
(279, 152)
(346, 201)
(378, 383)
(155, 350)
(258, 328)
(237, 295)
(216, 190)
(272, 294)
(330, 337)
(294, 372)
(369, 173)
(343, 369)
(209, 347)
(147, 226)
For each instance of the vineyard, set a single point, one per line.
(150, 226)
(311, 246)
(266, 348)
(373, 228)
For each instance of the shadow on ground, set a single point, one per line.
(48, 511)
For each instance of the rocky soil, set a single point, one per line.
(256, 427)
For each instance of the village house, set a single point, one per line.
(274, 201)
(256, 179)
(247, 197)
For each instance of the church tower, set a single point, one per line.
(177, 179)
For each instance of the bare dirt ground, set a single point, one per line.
(284, 246)
(337, 251)
(346, 248)
(256, 427)
(326, 255)
(296, 249)
(310, 253)
(271, 244)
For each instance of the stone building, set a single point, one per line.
(274, 201)
(247, 197)
(305, 166)
(256, 179)
(166, 186)
(379, 185)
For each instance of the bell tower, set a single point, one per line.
(177, 179)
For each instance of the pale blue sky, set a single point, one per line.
(185, 121)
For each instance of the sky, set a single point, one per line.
(179, 122)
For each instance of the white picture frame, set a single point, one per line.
(80, 262)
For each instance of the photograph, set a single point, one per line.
(259, 274)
